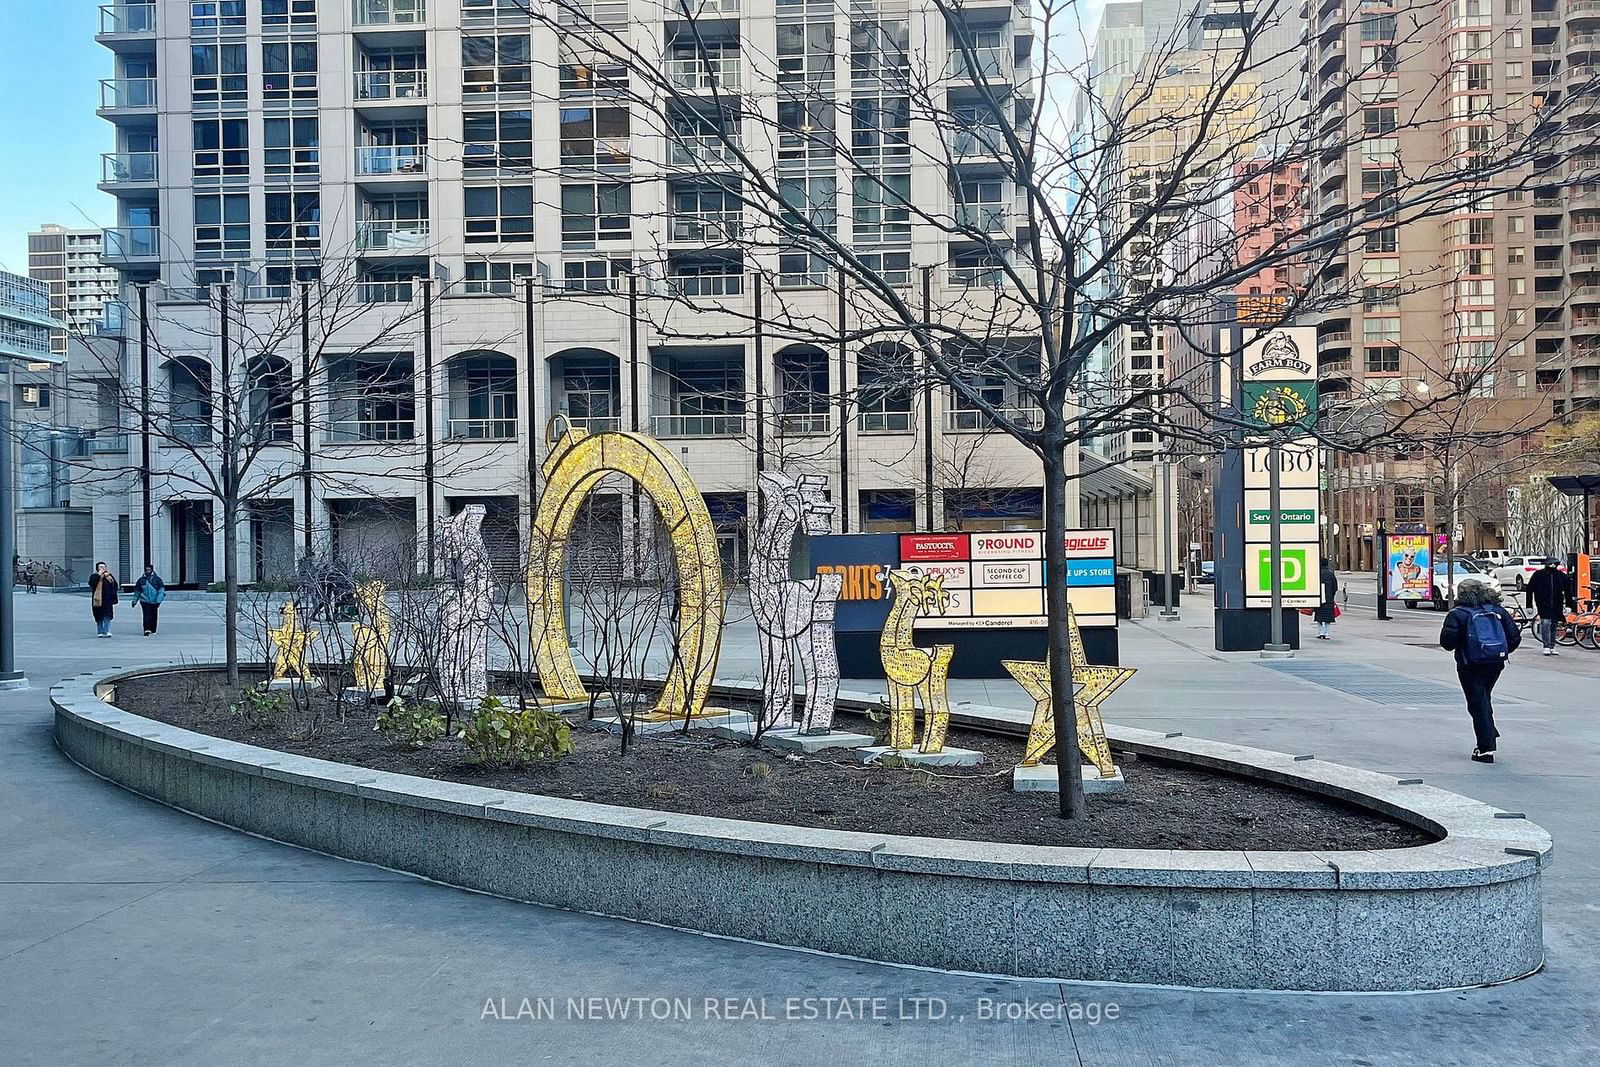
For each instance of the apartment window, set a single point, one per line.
(880, 125)
(495, 10)
(599, 212)
(499, 213)
(498, 140)
(981, 204)
(1514, 71)
(594, 136)
(496, 64)
(1517, 224)
(881, 208)
(222, 225)
(291, 14)
(805, 128)
(710, 213)
(1519, 287)
(221, 148)
(1378, 120)
(216, 16)
(220, 74)
(292, 148)
(812, 202)
(1516, 254)
(800, 269)
(1381, 241)
(1481, 231)
(1381, 298)
(501, 279)
(989, 52)
(880, 51)
(805, 51)
(1380, 58)
(1383, 359)
(594, 276)
(588, 78)
(289, 71)
(293, 222)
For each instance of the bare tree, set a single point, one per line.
(1052, 243)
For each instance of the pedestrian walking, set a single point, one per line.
(1550, 593)
(1482, 635)
(151, 592)
(1328, 610)
(102, 598)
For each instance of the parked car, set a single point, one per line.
(1444, 582)
(1490, 558)
(1518, 569)
(1208, 572)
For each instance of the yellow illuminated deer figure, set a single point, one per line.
(914, 671)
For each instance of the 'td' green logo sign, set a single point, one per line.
(1296, 570)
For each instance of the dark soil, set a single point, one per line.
(1163, 805)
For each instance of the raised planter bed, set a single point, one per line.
(1463, 910)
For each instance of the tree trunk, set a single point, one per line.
(1069, 767)
(230, 583)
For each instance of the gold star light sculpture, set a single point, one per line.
(1092, 683)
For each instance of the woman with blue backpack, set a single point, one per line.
(1483, 635)
(151, 592)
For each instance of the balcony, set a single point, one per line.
(380, 13)
(884, 422)
(983, 218)
(129, 168)
(123, 95)
(396, 236)
(705, 227)
(697, 425)
(131, 245)
(704, 74)
(1333, 340)
(1547, 233)
(383, 292)
(692, 285)
(964, 420)
(482, 429)
(595, 424)
(978, 142)
(1585, 294)
(378, 86)
(703, 9)
(384, 161)
(1334, 370)
(127, 20)
(702, 150)
(370, 431)
(805, 424)
(991, 65)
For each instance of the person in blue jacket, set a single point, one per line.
(150, 592)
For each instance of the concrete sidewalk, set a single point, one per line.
(133, 933)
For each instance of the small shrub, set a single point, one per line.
(410, 725)
(259, 708)
(502, 736)
(758, 771)
(661, 791)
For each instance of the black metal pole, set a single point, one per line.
(760, 356)
(145, 488)
(530, 351)
(634, 407)
(428, 457)
(305, 416)
(844, 414)
(10, 677)
(927, 405)
(1381, 559)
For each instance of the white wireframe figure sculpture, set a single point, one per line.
(462, 664)
(794, 615)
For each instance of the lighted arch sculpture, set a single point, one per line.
(577, 463)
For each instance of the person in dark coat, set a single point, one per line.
(1550, 594)
(150, 592)
(1478, 679)
(1326, 612)
(102, 598)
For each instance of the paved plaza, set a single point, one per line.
(133, 933)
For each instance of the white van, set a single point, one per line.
(1492, 557)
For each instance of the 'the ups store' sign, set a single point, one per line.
(995, 580)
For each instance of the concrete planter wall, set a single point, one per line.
(1463, 911)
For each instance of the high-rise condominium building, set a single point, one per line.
(1503, 294)
(81, 285)
(501, 234)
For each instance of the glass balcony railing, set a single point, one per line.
(392, 235)
(701, 150)
(483, 429)
(123, 94)
(126, 243)
(127, 18)
(391, 85)
(381, 160)
(884, 421)
(697, 425)
(391, 12)
(805, 424)
(704, 75)
(706, 284)
(384, 292)
(706, 227)
(964, 420)
(119, 168)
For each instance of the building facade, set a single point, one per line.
(1502, 294)
(486, 231)
(81, 285)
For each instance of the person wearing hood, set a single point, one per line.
(150, 592)
(1328, 610)
(1482, 634)
(1550, 594)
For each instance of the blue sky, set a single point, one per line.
(50, 71)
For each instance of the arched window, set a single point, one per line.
(270, 407)
(802, 391)
(483, 397)
(189, 399)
